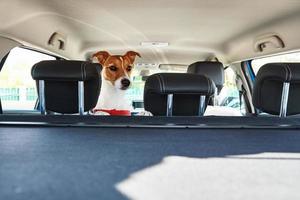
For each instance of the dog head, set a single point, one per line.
(117, 69)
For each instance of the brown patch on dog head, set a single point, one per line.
(115, 67)
(131, 55)
(101, 56)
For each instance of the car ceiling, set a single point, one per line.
(195, 29)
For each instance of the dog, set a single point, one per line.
(116, 73)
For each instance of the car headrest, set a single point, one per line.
(65, 70)
(67, 87)
(186, 89)
(213, 70)
(269, 87)
(179, 83)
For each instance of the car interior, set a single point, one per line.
(214, 100)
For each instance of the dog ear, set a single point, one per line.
(101, 56)
(131, 56)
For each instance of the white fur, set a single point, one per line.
(101, 113)
(144, 113)
(118, 84)
(112, 97)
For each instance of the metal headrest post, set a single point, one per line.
(81, 97)
(202, 105)
(215, 103)
(42, 97)
(284, 99)
(170, 105)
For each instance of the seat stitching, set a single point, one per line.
(209, 89)
(161, 84)
(286, 72)
(290, 72)
(34, 67)
(81, 68)
(84, 69)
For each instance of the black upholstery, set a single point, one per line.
(1, 111)
(61, 84)
(213, 70)
(268, 88)
(186, 88)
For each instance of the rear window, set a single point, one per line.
(290, 57)
(17, 88)
(230, 95)
(139, 75)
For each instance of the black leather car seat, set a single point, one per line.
(177, 94)
(211, 69)
(277, 89)
(67, 87)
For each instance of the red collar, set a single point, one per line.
(114, 112)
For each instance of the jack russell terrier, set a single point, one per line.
(116, 72)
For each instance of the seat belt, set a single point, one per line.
(242, 93)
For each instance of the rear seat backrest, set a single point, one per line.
(61, 83)
(182, 91)
(271, 82)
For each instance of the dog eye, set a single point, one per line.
(129, 68)
(113, 68)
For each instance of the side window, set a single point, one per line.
(290, 57)
(230, 95)
(17, 88)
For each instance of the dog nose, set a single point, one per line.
(125, 82)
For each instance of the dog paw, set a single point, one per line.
(144, 113)
(101, 113)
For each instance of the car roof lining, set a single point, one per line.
(194, 29)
